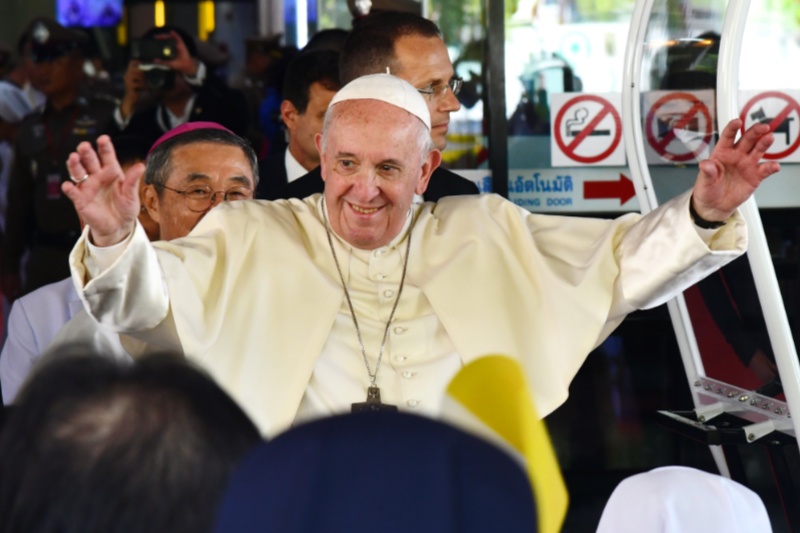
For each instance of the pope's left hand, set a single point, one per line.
(732, 173)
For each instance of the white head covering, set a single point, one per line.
(677, 499)
(14, 105)
(389, 89)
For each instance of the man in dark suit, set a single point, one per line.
(410, 47)
(312, 79)
(182, 89)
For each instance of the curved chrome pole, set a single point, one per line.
(640, 174)
(769, 293)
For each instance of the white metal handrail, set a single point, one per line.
(640, 173)
(645, 193)
(769, 293)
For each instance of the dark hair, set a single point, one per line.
(94, 445)
(130, 149)
(370, 47)
(332, 39)
(692, 64)
(159, 161)
(317, 66)
(185, 36)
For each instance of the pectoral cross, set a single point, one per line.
(373, 403)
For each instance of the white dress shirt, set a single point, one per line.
(294, 169)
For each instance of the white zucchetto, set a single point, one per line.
(389, 89)
(676, 499)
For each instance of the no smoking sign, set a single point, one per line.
(779, 109)
(587, 130)
(678, 126)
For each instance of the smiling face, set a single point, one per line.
(373, 165)
(424, 62)
(219, 166)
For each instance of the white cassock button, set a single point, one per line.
(378, 253)
(401, 358)
(388, 293)
(412, 403)
(409, 375)
(399, 330)
(380, 277)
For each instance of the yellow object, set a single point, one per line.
(205, 19)
(122, 28)
(160, 12)
(493, 389)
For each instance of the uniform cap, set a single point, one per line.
(44, 31)
(389, 89)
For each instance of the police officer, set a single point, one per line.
(41, 219)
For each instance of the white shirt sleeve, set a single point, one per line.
(99, 259)
(199, 77)
(19, 353)
(707, 234)
(122, 123)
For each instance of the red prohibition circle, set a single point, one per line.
(661, 147)
(607, 108)
(792, 104)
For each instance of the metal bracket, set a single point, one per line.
(707, 412)
(762, 429)
(767, 414)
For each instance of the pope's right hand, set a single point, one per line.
(108, 199)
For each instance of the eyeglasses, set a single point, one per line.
(437, 92)
(200, 198)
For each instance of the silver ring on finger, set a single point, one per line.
(84, 178)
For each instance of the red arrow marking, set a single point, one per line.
(597, 190)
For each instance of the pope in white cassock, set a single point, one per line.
(284, 302)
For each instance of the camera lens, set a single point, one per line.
(158, 79)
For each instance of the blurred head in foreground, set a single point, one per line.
(387, 472)
(677, 499)
(93, 445)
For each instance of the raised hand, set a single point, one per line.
(732, 173)
(107, 200)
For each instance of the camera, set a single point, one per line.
(148, 50)
(158, 77)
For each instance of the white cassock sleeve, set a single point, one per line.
(653, 252)
(122, 286)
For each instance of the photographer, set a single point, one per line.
(182, 89)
